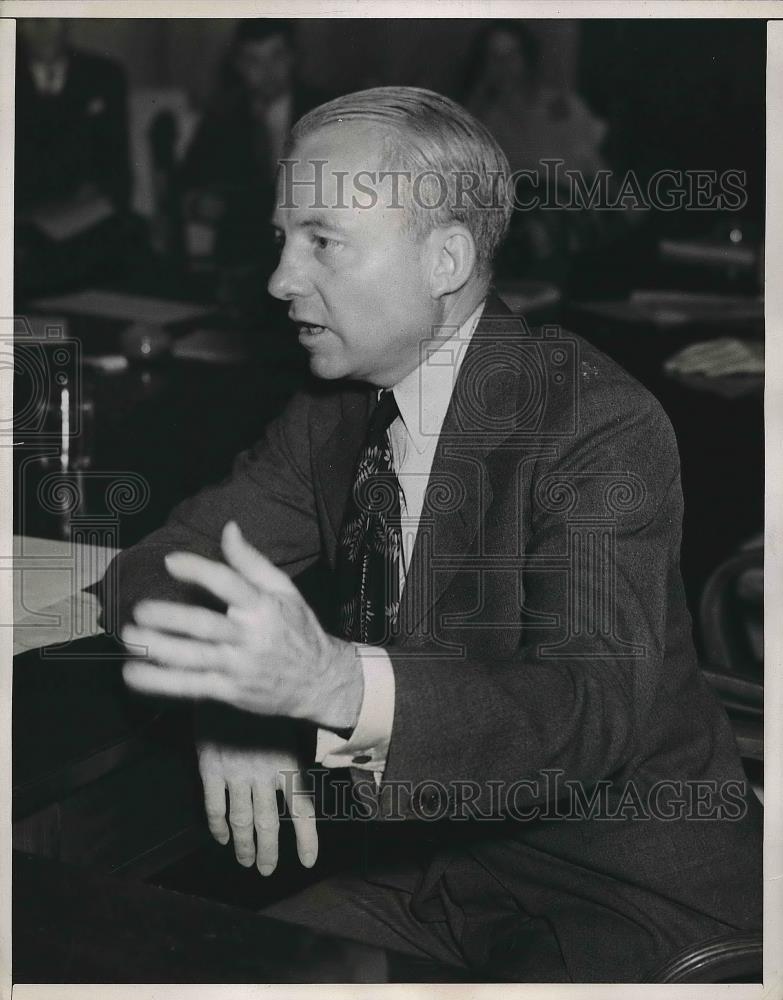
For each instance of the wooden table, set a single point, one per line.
(100, 777)
(85, 749)
(77, 926)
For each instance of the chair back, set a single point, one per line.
(736, 958)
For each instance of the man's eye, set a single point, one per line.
(324, 242)
(278, 238)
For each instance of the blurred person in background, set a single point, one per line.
(533, 122)
(530, 121)
(228, 174)
(73, 177)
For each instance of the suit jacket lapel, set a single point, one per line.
(459, 491)
(336, 462)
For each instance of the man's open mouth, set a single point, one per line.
(310, 329)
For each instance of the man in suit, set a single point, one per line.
(71, 158)
(552, 791)
(71, 119)
(227, 177)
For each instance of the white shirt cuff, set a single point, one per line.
(368, 745)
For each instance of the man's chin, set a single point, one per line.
(327, 368)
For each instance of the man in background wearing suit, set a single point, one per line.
(509, 672)
(71, 119)
(72, 159)
(227, 177)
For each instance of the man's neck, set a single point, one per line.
(454, 310)
(440, 339)
(458, 307)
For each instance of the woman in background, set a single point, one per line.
(532, 123)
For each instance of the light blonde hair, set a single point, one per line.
(432, 137)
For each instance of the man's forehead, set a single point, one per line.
(350, 145)
(334, 169)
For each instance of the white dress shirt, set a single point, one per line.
(423, 399)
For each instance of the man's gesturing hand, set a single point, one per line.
(267, 654)
(253, 777)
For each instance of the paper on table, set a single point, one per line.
(672, 309)
(46, 570)
(701, 303)
(218, 346)
(719, 357)
(48, 581)
(73, 617)
(117, 305)
(61, 222)
(708, 252)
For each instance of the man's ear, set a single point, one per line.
(454, 259)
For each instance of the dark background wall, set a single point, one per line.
(688, 94)
(335, 54)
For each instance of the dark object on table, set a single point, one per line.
(145, 342)
(84, 751)
(55, 687)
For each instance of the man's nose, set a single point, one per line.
(287, 280)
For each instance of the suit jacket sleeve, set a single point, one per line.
(478, 720)
(269, 494)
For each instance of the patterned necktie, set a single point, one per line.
(368, 554)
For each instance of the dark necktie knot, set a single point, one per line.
(385, 413)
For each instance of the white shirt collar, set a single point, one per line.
(424, 395)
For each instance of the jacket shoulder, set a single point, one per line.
(320, 405)
(598, 389)
(606, 388)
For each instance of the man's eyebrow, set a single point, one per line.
(314, 220)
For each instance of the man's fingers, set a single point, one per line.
(240, 816)
(302, 812)
(215, 806)
(175, 651)
(251, 564)
(219, 579)
(267, 824)
(185, 619)
(149, 679)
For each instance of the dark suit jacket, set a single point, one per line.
(226, 159)
(544, 639)
(77, 136)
